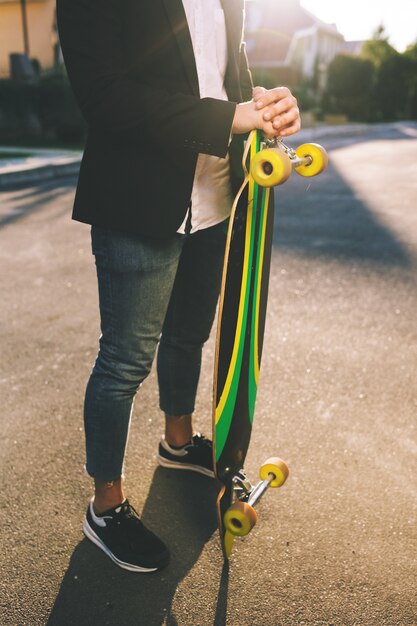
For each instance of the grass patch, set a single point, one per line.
(15, 155)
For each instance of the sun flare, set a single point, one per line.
(357, 19)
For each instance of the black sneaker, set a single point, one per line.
(123, 537)
(196, 455)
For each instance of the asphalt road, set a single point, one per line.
(337, 544)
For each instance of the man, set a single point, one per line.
(165, 88)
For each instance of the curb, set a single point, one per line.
(354, 130)
(42, 169)
(319, 132)
(50, 165)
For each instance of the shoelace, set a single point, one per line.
(127, 513)
(200, 440)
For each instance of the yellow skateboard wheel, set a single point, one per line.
(319, 159)
(278, 468)
(240, 518)
(270, 167)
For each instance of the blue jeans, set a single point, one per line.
(149, 291)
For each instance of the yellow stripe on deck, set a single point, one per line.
(258, 292)
(233, 360)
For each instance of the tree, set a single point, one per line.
(378, 49)
(380, 85)
(411, 80)
(411, 51)
(349, 87)
(391, 90)
(395, 83)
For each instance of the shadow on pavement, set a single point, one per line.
(324, 216)
(316, 217)
(95, 591)
(220, 618)
(34, 200)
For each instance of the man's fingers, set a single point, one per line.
(290, 129)
(287, 118)
(278, 108)
(278, 111)
(257, 91)
(269, 96)
(283, 126)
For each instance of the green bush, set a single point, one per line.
(58, 111)
(45, 109)
(270, 77)
(349, 87)
(18, 106)
(391, 89)
(18, 98)
(411, 81)
(394, 87)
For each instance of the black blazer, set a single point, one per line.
(132, 68)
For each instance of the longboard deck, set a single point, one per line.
(241, 324)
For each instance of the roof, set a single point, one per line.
(353, 47)
(271, 26)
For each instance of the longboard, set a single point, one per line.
(240, 330)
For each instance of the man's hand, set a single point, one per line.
(280, 107)
(273, 111)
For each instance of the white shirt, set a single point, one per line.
(211, 198)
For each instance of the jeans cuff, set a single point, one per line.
(88, 475)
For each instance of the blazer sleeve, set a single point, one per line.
(91, 40)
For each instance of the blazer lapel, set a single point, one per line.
(233, 13)
(176, 15)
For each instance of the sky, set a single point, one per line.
(358, 19)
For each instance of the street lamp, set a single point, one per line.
(25, 26)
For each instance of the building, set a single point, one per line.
(42, 32)
(288, 43)
(353, 47)
(283, 40)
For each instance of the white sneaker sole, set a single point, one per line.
(181, 466)
(91, 535)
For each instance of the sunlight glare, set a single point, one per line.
(358, 19)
